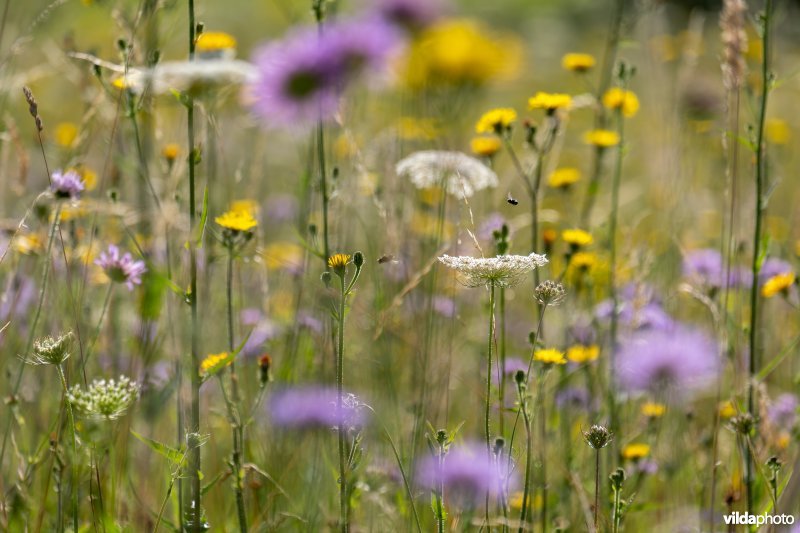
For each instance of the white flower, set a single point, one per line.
(502, 271)
(189, 76)
(459, 174)
(103, 399)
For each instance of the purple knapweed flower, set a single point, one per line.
(409, 15)
(121, 268)
(66, 184)
(574, 398)
(772, 267)
(310, 407)
(638, 308)
(679, 361)
(782, 413)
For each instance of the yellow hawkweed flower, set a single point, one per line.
(578, 62)
(237, 220)
(496, 120)
(215, 44)
(635, 451)
(583, 260)
(549, 356)
(626, 101)
(577, 238)
(776, 284)
(246, 205)
(65, 134)
(550, 101)
(601, 138)
(212, 361)
(653, 410)
(561, 178)
(777, 131)
(170, 151)
(338, 261)
(726, 409)
(485, 146)
(27, 244)
(583, 354)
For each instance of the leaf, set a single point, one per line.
(201, 228)
(210, 485)
(175, 456)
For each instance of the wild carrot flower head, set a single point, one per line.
(578, 62)
(459, 174)
(104, 399)
(549, 292)
(549, 356)
(550, 102)
(497, 121)
(502, 271)
(601, 138)
(121, 268)
(311, 407)
(51, 350)
(621, 99)
(679, 361)
(67, 184)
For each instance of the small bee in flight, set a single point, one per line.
(511, 200)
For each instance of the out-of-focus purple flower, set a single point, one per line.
(444, 306)
(639, 308)
(515, 364)
(782, 413)
(493, 222)
(309, 321)
(281, 207)
(704, 267)
(647, 466)
(250, 316)
(66, 184)
(582, 332)
(772, 267)
(468, 473)
(263, 331)
(679, 360)
(574, 397)
(121, 268)
(18, 298)
(409, 15)
(311, 407)
(158, 375)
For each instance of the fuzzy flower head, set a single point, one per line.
(121, 268)
(704, 267)
(549, 292)
(577, 238)
(580, 353)
(780, 283)
(310, 407)
(500, 271)
(485, 146)
(598, 437)
(578, 62)
(215, 45)
(66, 185)
(549, 356)
(51, 350)
(459, 174)
(783, 412)
(562, 178)
(550, 102)
(601, 138)
(237, 220)
(635, 451)
(497, 121)
(653, 410)
(676, 360)
(622, 100)
(104, 399)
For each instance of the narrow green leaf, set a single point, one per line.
(174, 455)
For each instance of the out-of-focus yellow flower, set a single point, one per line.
(245, 205)
(73, 212)
(425, 225)
(602, 138)
(496, 120)
(783, 440)
(549, 101)
(777, 284)
(170, 151)
(283, 255)
(413, 129)
(215, 44)
(459, 52)
(121, 83)
(213, 361)
(653, 410)
(88, 176)
(549, 356)
(237, 220)
(65, 134)
(431, 195)
(344, 146)
(626, 101)
(485, 146)
(577, 237)
(797, 248)
(583, 260)
(561, 178)
(583, 354)
(635, 451)
(726, 409)
(27, 244)
(578, 62)
(777, 131)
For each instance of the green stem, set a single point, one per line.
(596, 488)
(617, 516)
(489, 386)
(75, 483)
(343, 502)
(612, 274)
(502, 394)
(523, 515)
(99, 326)
(543, 448)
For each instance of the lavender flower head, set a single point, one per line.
(678, 360)
(467, 474)
(638, 308)
(706, 268)
(66, 184)
(409, 15)
(121, 268)
(783, 412)
(773, 267)
(312, 407)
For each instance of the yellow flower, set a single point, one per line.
(653, 410)
(170, 151)
(561, 178)
(626, 101)
(459, 52)
(485, 146)
(578, 62)
(212, 361)
(602, 138)
(66, 133)
(583, 260)
(413, 129)
(550, 356)
(496, 120)
(777, 131)
(338, 261)
(726, 409)
(246, 205)
(583, 354)
(777, 284)
(577, 238)
(237, 221)
(635, 451)
(283, 255)
(550, 101)
(27, 244)
(215, 44)
(516, 500)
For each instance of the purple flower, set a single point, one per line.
(575, 398)
(704, 267)
(310, 407)
(121, 269)
(679, 360)
(409, 15)
(773, 267)
(66, 184)
(639, 308)
(309, 321)
(468, 473)
(493, 222)
(514, 364)
(281, 207)
(444, 306)
(783, 411)
(263, 331)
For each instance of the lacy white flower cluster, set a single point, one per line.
(502, 271)
(459, 174)
(189, 76)
(51, 350)
(104, 399)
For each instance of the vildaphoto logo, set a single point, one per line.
(742, 519)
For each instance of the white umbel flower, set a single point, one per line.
(189, 76)
(459, 174)
(502, 271)
(104, 399)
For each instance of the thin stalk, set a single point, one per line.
(612, 274)
(617, 517)
(528, 454)
(502, 394)
(543, 448)
(97, 328)
(343, 503)
(489, 384)
(596, 487)
(440, 492)
(405, 481)
(75, 483)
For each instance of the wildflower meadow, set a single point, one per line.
(399, 265)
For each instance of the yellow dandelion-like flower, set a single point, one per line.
(726, 409)
(561, 178)
(485, 146)
(496, 120)
(601, 138)
(550, 101)
(777, 284)
(778, 131)
(583, 260)
(237, 220)
(653, 410)
(635, 451)
(170, 151)
(213, 361)
(578, 62)
(210, 41)
(583, 354)
(27, 244)
(246, 205)
(550, 356)
(65, 134)
(338, 261)
(626, 101)
(577, 238)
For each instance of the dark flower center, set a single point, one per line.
(303, 83)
